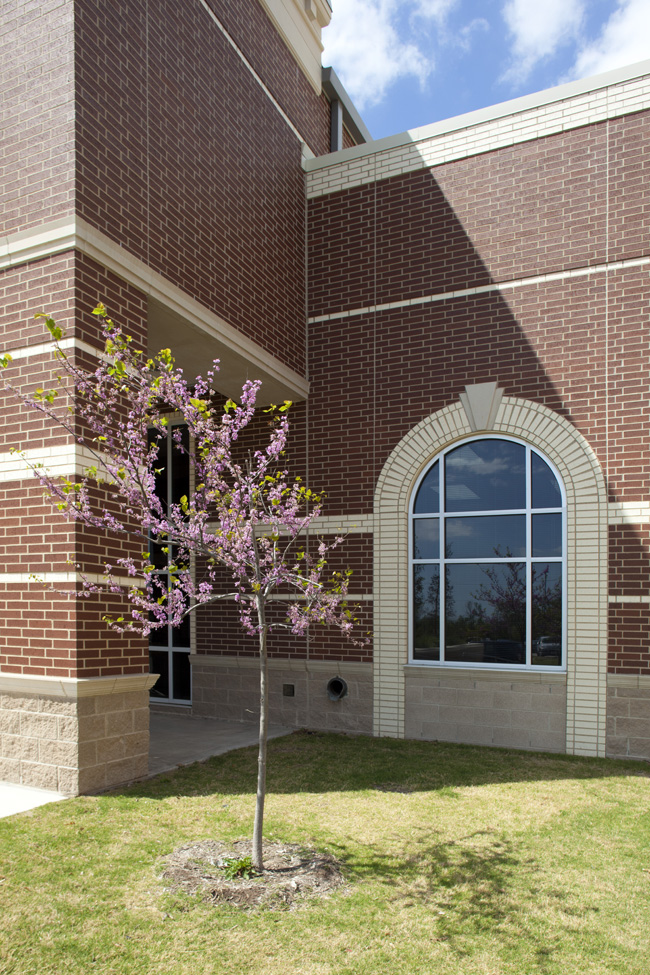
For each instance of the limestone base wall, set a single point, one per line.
(628, 716)
(74, 736)
(228, 688)
(488, 708)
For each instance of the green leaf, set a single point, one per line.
(51, 326)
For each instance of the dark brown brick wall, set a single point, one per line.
(531, 209)
(578, 345)
(249, 26)
(44, 631)
(37, 146)
(629, 638)
(183, 159)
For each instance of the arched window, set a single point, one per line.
(487, 550)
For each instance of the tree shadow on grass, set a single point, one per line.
(478, 885)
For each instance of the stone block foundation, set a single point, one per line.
(74, 736)
(488, 708)
(228, 688)
(628, 716)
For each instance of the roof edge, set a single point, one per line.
(512, 107)
(351, 119)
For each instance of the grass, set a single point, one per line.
(486, 862)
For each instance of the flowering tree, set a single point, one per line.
(245, 514)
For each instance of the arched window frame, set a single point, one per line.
(528, 559)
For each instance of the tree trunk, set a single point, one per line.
(258, 861)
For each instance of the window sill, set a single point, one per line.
(535, 675)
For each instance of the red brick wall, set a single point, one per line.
(44, 631)
(530, 209)
(183, 159)
(37, 146)
(577, 345)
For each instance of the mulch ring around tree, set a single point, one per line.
(291, 874)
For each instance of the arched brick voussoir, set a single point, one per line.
(587, 589)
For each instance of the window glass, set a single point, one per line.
(426, 538)
(172, 482)
(547, 614)
(426, 612)
(546, 490)
(159, 664)
(485, 475)
(493, 594)
(160, 438)
(182, 676)
(547, 535)
(486, 613)
(486, 536)
(180, 472)
(428, 496)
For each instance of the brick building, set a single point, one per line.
(459, 314)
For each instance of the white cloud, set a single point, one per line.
(538, 28)
(373, 43)
(434, 9)
(624, 39)
(465, 37)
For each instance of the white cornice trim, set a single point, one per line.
(73, 688)
(299, 23)
(38, 242)
(74, 233)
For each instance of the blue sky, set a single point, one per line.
(407, 63)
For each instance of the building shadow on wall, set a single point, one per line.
(455, 320)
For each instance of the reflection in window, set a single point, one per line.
(487, 576)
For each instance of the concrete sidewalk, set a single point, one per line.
(180, 739)
(175, 739)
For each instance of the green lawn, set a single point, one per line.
(488, 862)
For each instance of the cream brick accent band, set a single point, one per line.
(59, 461)
(73, 688)
(496, 286)
(344, 525)
(629, 512)
(45, 348)
(281, 663)
(66, 578)
(561, 109)
(629, 599)
(587, 561)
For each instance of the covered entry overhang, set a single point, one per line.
(196, 337)
(195, 334)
